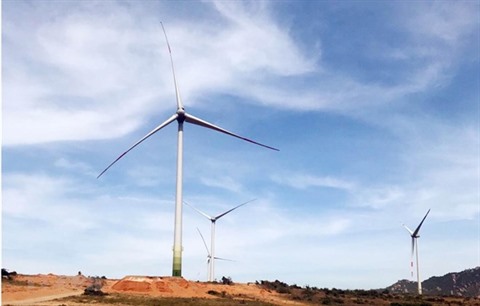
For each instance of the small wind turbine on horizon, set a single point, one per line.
(213, 220)
(209, 256)
(415, 236)
(180, 116)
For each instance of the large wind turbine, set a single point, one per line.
(213, 220)
(414, 235)
(180, 116)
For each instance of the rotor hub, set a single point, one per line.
(181, 115)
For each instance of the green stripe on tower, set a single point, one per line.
(177, 265)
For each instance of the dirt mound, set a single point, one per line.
(179, 287)
(158, 286)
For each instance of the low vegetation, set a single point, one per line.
(325, 296)
(11, 279)
(124, 299)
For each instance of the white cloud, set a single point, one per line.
(381, 197)
(75, 166)
(303, 181)
(448, 22)
(75, 76)
(253, 27)
(40, 197)
(225, 182)
(80, 74)
(438, 168)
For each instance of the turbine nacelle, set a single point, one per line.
(181, 115)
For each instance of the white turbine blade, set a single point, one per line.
(199, 211)
(413, 247)
(194, 120)
(415, 233)
(221, 215)
(225, 259)
(158, 128)
(177, 93)
(205, 244)
(409, 230)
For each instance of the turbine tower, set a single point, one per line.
(180, 116)
(213, 220)
(414, 235)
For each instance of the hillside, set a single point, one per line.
(465, 284)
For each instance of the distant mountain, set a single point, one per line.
(465, 283)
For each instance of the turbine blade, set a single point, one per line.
(420, 225)
(409, 230)
(225, 259)
(205, 244)
(177, 92)
(413, 247)
(199, 211)
(197, 121)
(158, 128)
(221, 215)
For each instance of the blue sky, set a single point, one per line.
(374, 106)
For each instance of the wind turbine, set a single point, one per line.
(180, 116)
(213, 220)
(209, 256)
(414, 235)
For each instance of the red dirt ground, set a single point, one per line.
(37, 289)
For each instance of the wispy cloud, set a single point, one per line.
(222, 182)
(41, 197)
(87, 70)
(88, 67)
(438, 168)
(303, 181)
(76, 166)
(448, 23)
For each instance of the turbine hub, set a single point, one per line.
(181, 115)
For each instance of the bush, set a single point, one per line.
(328, 301)
(93, 291)
(283, 290)
(227, 280)
(8, 275)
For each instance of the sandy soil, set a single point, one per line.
(42, 289)
(37, 287)
(179, 287)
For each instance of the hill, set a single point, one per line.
(464, 284)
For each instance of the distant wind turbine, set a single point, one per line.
(209, 255)
(414, 235)
(181, 116)
(213, 220)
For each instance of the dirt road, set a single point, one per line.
(41, 299)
